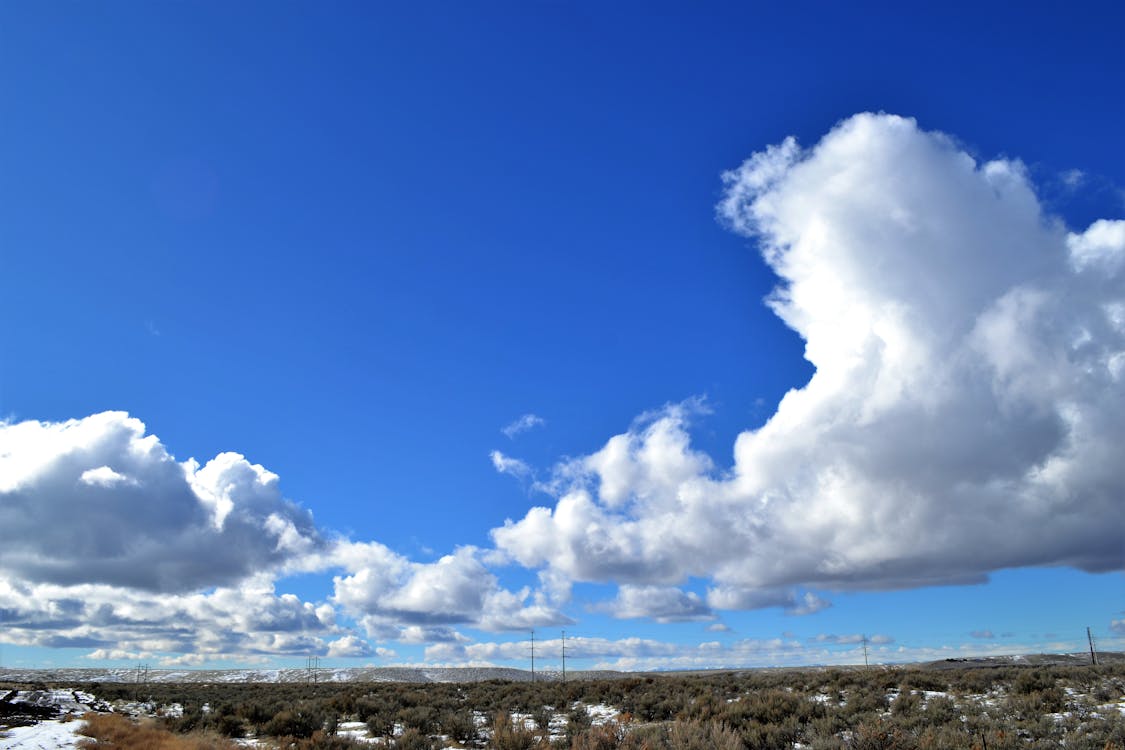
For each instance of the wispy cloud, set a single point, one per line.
(511, 466)
(523, 424)
(1072, 178)
(807, 604)
(852, 638)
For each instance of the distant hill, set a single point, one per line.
(323, 674)
(481, 674)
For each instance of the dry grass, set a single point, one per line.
(114, 731)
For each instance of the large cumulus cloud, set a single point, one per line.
(96, 500)
(965, 414)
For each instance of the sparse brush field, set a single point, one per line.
(901, 709)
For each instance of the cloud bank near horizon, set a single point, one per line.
(114, 545)
(964, 416)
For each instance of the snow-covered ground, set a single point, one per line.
(46, 735)
(49, 719)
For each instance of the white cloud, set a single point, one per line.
(734, 597)
(388, 592)
(113, 544)
(1101, 246)
(96, 500)
(452, 589)
(1072, 178)
(116, 654)
(649, 654)
(103, 476)
(244, 621)
(963, 416)
(852, 638)
(523, 424)
(627, 653)
(349, 646)
(807, 604)
(661, 603)
(508, 465)
(417, 634)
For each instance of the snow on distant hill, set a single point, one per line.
(355, 674)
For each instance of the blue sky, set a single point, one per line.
(335, 252)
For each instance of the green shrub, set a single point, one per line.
(412, 739)
(880, 736)
(906, 703)
(941, 710)
(702, 736)
(507, 735)
(459, 725)
(226, 724)
(541, 715)
(422, 718)
(1033, 681)
(321, 740)
(604, 737)
(297, 722)
(577, 721)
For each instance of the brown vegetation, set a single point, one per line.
(1030, 708)
(115, 731)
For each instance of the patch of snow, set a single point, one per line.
(600, 713)
(172, 710)
(355, 730)
(46, 735)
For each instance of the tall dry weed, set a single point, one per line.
(104, 731)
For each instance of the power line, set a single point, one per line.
(865, 664)
(312, 667)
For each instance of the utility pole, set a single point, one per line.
(865, 664)
(1093, 653)
(564, 656)
(533, 654)
(142, 678)
(312, 666)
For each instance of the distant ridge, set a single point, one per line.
(481, 674)
(323, 674)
